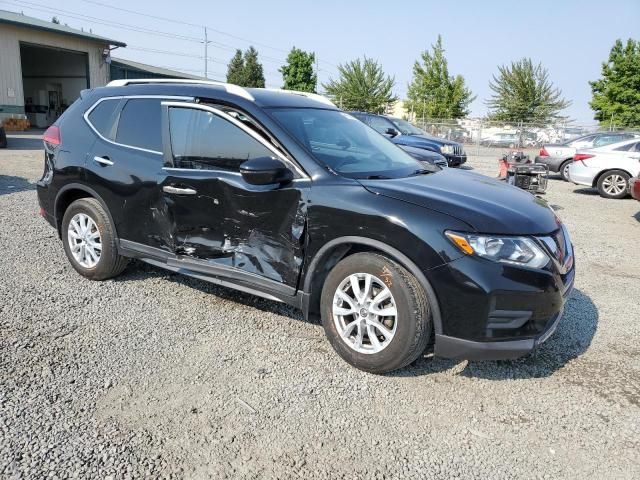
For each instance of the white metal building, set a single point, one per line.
(44, 66)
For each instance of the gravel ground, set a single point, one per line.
(158, 375)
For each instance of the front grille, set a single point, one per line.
(458, 150)
(559, 245)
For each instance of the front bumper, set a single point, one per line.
(580, 174)
(455, 160)
(493, 311)
(461, 349)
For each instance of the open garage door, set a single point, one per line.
(52, 79)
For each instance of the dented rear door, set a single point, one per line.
(214, 216)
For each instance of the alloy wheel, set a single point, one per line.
(614, 184)
(84, 240)
(365, 313)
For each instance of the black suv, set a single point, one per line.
(408, 136)
(284, 196)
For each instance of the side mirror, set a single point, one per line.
(265, 171)
(392, 132)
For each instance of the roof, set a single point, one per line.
(164, 72)
(13, 18)
(263, 97)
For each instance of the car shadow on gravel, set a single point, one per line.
(571, 339)
(141, 271)
(10, 184)
(587, 191)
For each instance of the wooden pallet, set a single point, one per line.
(16, 124)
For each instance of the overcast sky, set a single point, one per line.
(570, 38)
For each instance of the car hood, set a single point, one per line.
(486, 204)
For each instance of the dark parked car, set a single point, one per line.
(426, 156)
(403, 133)
(284, 196)
(3, 138)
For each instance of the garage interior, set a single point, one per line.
(52, 79)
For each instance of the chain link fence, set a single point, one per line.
(482, 136)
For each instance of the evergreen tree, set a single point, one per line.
(523, 92)
(362, 85)
(235, 69)
(298, 72)
(616, 96)
(433, 93)
(253, 74)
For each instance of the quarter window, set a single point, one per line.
(140, 124)
(102, 116)
(201, 140)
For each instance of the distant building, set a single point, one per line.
(44, 66)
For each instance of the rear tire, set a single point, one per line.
(90, 242)
(613, 184)
(385, 324)
(564, 170)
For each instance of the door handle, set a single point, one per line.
(178, 190)
(103, 161)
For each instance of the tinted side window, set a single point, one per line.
(102, 117)
(379, 124)
(139, 124)
(603, 140)
(203, 141)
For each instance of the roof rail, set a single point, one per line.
(229, 87)
(313, 96)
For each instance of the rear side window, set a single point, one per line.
(102, 117)
(140, 124)
(201, 140)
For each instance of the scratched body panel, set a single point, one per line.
(257, 229)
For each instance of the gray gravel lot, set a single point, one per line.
(154, 374)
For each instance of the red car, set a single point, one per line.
(634, 187)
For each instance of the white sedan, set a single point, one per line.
(607, 168)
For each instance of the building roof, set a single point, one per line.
(164, 72)
(13, 18)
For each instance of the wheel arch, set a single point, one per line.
(69, 194)
(606, 170)
(337, 249)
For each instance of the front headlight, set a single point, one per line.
(446, 148)
(521, 251)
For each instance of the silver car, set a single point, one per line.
(558, 156)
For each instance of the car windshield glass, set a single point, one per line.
(346, 145)
(406, 128)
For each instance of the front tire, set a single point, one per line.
(90, 242)
(613, 184)
(375, 313)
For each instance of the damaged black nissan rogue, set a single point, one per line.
(282, 195)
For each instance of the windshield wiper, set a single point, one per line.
(420, 171)
(377, 177)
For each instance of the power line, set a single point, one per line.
(221, 32)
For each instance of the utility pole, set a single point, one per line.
(317, 72)
(206, 55)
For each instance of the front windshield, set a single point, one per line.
(406, 128)
(345, 144)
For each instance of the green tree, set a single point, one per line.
(523, 92)
(235, 69)
(253, 73)
(298, 72)
(433, 93)
(616, 96)
(362, 85)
